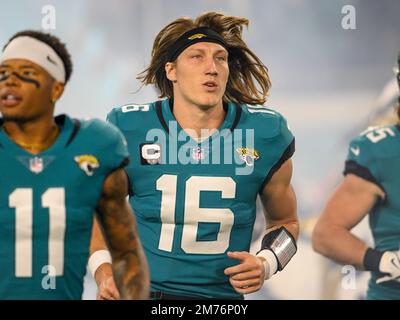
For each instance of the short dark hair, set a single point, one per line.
(54, 42)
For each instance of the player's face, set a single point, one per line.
(200, 74)
(25, 90)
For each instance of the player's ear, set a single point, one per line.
(170, 71)
(57, 91)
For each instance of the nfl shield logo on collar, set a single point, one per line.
(36, 164)
(198, 153)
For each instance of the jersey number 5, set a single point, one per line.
(193, 214)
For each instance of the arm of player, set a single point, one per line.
(279, 201)
(103, 275)
(349, 204)
(117, 220)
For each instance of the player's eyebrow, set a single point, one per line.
(203, 50)
(20, 67)
(26, 67)
(221, 51)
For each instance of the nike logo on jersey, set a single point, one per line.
(355, 150)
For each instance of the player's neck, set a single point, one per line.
(197, 120)
(33, 136)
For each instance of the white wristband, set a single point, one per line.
(97, 259)
(270, 262)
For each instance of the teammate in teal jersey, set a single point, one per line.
(371, 186)
(55, 172)
(194, 192)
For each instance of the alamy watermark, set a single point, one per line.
(226, 146)
(48, 17)
(349, 280)
(49, 280)
(349, 17)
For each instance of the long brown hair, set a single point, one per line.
(248, 80)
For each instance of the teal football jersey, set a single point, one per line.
(47, 202)
(195, 201)
(375, 157)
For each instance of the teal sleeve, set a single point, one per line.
(285, 147)
(112, 117)
(362, 162)
(112, 145)
(288, 140)
(118, 150)
(119, 143)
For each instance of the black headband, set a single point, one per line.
(201, 34)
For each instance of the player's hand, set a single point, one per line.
(106, 288)
(248, 276)
(390, 264)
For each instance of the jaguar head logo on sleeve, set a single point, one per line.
(87, 163)
(248, 155)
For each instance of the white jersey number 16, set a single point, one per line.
(193, 214)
